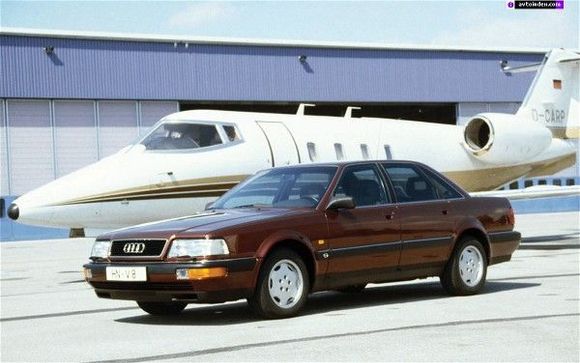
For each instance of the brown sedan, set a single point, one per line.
(286, 232)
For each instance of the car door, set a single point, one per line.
(365, 241)
(427, 218)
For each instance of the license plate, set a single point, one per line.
(126, 274)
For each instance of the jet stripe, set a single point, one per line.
(183, 194)
(195, 187)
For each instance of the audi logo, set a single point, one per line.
(134, 247)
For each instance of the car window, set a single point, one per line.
(409, 184)
(280, 188)
(363, 184)
(442, 188)
(261, 192)
(309, 185)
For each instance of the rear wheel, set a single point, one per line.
(283, 285)
(162, 308)
(466, 270)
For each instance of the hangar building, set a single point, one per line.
(70, 99)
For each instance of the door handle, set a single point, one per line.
(444, 212)
(390, 216)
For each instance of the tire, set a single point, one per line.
(466, 270)
(354, 289)
(162, 308)
(283, 286)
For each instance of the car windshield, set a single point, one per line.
(184, 135)
(297, 187)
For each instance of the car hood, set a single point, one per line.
(199, 224)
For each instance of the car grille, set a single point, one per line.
(137, 248)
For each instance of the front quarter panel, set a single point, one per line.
(305, 231)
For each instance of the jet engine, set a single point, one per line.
(497, 138)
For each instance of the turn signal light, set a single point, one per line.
(87, 274)
(200, 273)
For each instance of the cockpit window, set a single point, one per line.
(178, 136)
(231, 133)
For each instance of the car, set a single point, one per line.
(289, 231)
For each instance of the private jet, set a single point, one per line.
(190, 158)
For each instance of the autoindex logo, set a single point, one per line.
(544, 5)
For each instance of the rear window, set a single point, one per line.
(442, 188)
(412, 184)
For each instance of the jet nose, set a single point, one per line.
(13, 211)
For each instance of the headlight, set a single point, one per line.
(198, 247)
(101, 249)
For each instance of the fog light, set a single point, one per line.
(200, 273)
(88, 273)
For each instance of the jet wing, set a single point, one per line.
(537, 191)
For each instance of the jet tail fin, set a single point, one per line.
(553, 98)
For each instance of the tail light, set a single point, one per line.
(511, 218)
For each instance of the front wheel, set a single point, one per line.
(283, 285)
(466, 270)
(162, 308)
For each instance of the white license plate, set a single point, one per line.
(126, 274)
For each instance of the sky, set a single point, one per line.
(447, 23)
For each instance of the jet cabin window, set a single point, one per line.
(339, 151)
(364, 149)
(180, 136)
(312, 151)
(388, 153)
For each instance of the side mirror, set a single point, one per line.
(209, 205)
(341, 203)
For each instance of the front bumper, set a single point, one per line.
(162, 284)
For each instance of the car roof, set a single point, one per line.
(347, 163)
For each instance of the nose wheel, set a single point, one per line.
(76, 233)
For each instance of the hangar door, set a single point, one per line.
(282, 144)
(4, 175)
(44, 139)
(30, 153)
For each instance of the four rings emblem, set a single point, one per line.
(134, 247)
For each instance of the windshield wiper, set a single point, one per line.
(250, 206)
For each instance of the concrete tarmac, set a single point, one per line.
(529, 311)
